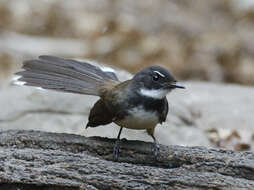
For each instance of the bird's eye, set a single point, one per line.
(156, 77)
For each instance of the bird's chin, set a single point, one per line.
(154, 93)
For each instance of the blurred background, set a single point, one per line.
(197, 40)
(205, 40)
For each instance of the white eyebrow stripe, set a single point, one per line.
(159, 73)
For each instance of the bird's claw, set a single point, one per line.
(155, 149)
(116, 150)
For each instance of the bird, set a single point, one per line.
(139, 103)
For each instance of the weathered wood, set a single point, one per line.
(41, 160)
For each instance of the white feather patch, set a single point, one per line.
(154, 93)
(107, 69)
(100, 65)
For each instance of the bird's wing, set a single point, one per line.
(99, 115)
(164, 112)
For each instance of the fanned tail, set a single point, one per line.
(49, 72)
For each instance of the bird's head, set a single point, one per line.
(154, 82)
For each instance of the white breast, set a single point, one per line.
(138, 118)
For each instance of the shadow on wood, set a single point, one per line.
(41, 160)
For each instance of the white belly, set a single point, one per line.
(139, 119)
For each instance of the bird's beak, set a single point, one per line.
(176, 85)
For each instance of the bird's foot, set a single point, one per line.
(116, 150)
(155, 149)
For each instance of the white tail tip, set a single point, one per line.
(15, 81)
(40, 88)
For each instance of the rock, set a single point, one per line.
(40, 160)
(193, 112)
(30, 46)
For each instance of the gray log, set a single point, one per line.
(41, 160)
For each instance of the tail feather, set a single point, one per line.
(75, 65)
(41, 65)
(54, 77)
(67, 75)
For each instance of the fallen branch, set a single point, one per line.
(41, 160)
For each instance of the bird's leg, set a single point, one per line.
(116, 146)
(156, 145)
